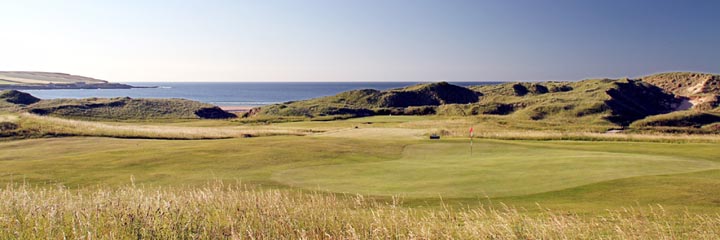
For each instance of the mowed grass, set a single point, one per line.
(495, 169)
(83, 161)
(571, 175)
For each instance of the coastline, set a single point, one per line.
(71, 86)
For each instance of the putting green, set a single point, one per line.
(495, 169)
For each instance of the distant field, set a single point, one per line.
(43, 78)
(5, 82)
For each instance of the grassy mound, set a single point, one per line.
(17, 97)
(686, 83)
(368, 102)
(701, 89)
(679, 119)
(127, 109)
(601, 100)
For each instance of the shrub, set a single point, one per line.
(7, 126)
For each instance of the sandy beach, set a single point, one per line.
(236, 109)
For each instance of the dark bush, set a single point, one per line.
(213, 113)
(421, 110)
(520, 90)
(8, 126)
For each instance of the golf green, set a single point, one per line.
(495, 169)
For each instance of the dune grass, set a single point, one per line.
(219, 211)
(121, 108)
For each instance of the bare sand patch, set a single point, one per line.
(236, 109)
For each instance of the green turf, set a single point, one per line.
(570, 174)
(109, 161)
(495, 169)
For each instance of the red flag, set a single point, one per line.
(471, 131)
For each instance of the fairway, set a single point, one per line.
(349, 162)
(495, 169)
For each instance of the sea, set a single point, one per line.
(231, 93)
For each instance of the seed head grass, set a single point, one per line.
(235, 211)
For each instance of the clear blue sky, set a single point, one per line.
(359, 40)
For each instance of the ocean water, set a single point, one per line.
(230, 94)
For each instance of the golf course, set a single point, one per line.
(588, 159)
(380, 159)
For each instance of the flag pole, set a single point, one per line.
(471, 141)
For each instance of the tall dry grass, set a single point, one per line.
(519, 134)
(59, 126)
(219, 211)
(8, 118)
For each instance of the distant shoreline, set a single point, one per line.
(71, 86)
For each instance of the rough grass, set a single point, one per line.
(507, 128)
(53, 126)
(219, 211)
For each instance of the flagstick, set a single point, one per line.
(471, 143)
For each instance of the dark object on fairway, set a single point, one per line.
(356, 127)
(247, 135)
(434, 136)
